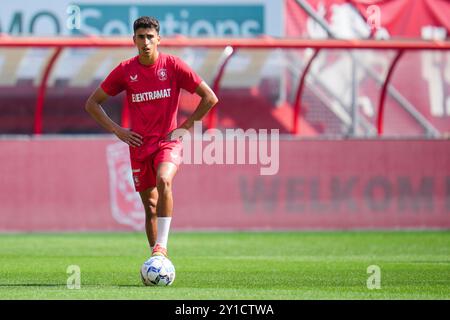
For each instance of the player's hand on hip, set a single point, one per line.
(175, 135)
(131, 138)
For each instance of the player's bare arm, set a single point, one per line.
(209, 99)
(94, 108)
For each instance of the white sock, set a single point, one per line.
(163, 231)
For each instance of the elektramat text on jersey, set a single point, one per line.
(150, 95)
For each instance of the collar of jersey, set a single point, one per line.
(150, 65)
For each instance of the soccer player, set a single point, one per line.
(152, 81)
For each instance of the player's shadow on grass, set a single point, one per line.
(132, 285)
(32, 285)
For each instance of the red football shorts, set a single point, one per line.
(144, 172)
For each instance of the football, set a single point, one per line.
(158, 271)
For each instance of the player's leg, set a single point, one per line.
(149, 199)
(165, 164)
(164, 177)
(144, 178)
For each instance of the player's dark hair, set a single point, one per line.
(146, 22)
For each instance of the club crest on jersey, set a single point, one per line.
(162, 74)
(133, 78)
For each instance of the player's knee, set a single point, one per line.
(163, 184)
(152, 206)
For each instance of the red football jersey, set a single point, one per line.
(153, 93)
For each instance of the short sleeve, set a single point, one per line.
(114, 82)
(187, 78)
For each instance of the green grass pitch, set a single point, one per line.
(230, 265)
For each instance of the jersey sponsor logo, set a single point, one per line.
(133, 78)
(162, 74)
(150, 95)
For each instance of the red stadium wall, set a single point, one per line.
(401, 18)
(73, 184)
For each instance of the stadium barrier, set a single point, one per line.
(64, 183)
(321, 87)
